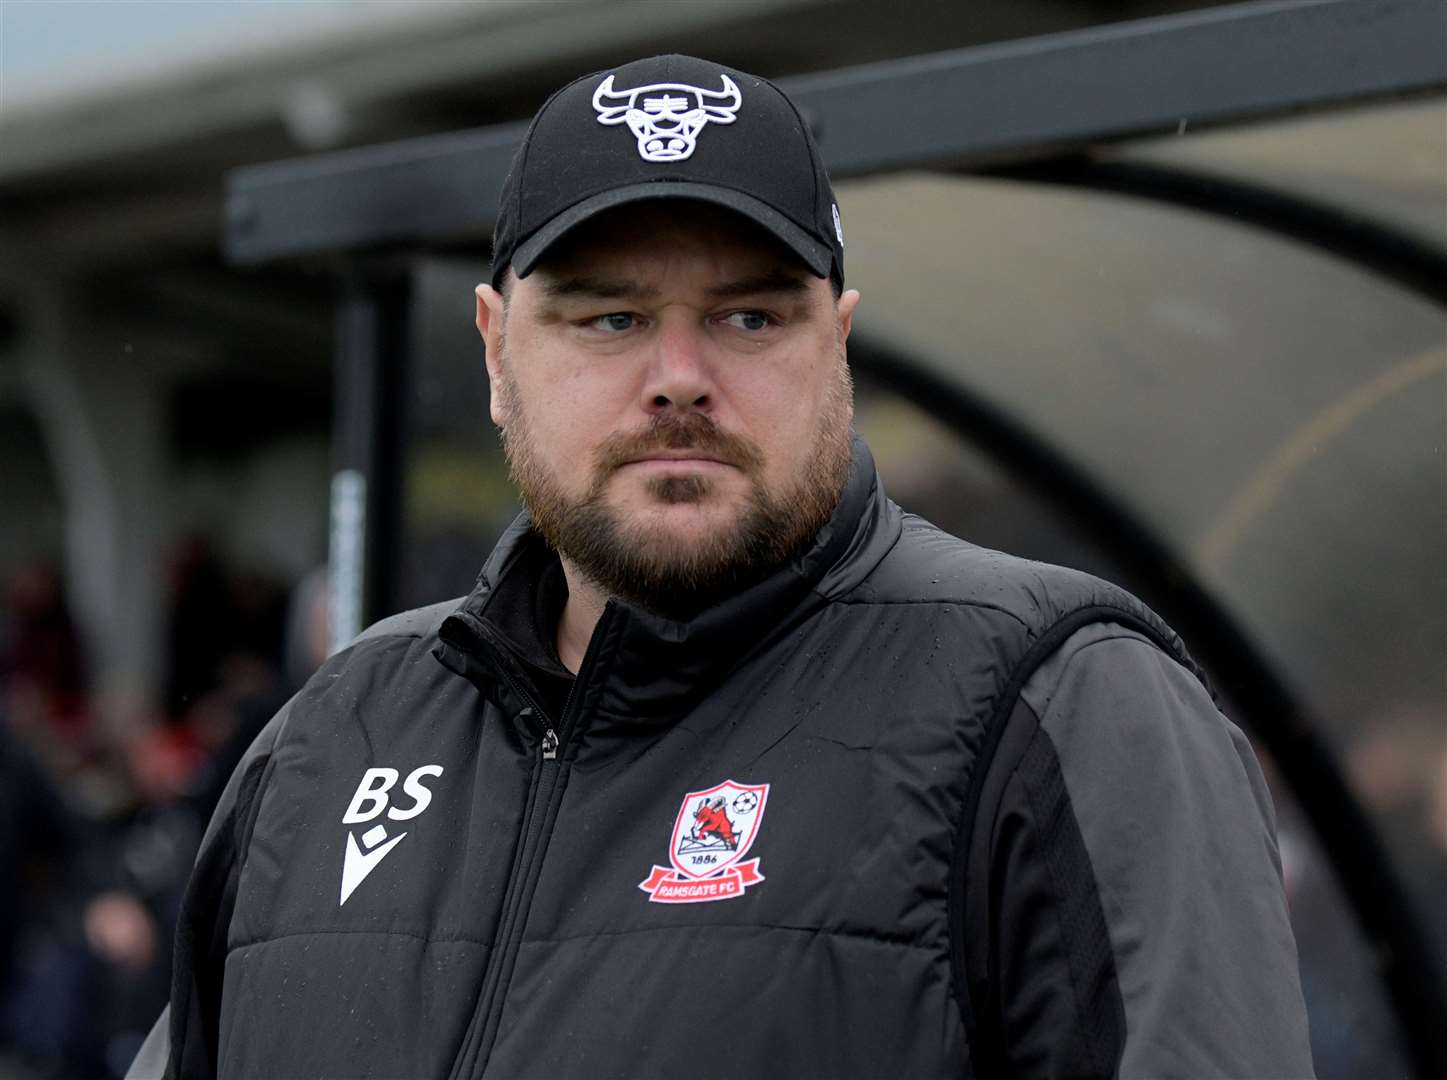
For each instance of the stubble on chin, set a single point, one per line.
(679, 490)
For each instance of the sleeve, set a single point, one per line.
(1138, 922)
(183, 1045)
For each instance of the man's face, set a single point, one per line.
(674, 401)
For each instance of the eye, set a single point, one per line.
(614, 322)
(752, 321)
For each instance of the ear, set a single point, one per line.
(490, 314)
(845, 312)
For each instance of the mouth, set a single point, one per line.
(678, 455)
(675, 446)
(678, 459)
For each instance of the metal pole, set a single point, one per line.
(373, 332)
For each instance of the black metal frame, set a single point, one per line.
(970, 107)
(368, 438)
(1402, 258)
(1034, 110)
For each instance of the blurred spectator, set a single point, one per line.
(306, 628)
(1399, 767)
(36, 834)
(198, 625)
(43, 666)
(88, 906)
(65, 930)
(250, 706)
(216, 618)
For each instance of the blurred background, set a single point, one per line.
(1239, 424)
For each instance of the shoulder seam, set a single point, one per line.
(408, 624)
(1126, 634)
(923, 602)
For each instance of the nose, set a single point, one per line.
(679, 377)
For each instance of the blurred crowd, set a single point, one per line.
(103, 798)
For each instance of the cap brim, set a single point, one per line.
(818, 256)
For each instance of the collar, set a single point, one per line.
(645, 668)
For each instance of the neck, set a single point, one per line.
(580, 615)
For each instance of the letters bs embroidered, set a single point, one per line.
(368, 802)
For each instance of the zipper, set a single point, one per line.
(536, 717)
(543, 795)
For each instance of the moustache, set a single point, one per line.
(673, 431)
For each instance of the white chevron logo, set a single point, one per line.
(358, 864)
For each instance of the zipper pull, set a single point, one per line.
(550, 738)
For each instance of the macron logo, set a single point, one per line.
(368, 802)
(358, 864)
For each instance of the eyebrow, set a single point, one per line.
(774, 281)
(559, 288)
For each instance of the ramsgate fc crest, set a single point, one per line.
(713, 833)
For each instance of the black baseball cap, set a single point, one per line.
(668, 127)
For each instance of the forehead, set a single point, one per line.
(665, 237)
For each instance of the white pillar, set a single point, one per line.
(103, 420)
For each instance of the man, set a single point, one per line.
(728, 766)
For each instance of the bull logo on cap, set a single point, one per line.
(667, 117)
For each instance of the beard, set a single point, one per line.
(649, 566)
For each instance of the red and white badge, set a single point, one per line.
(714, 831)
